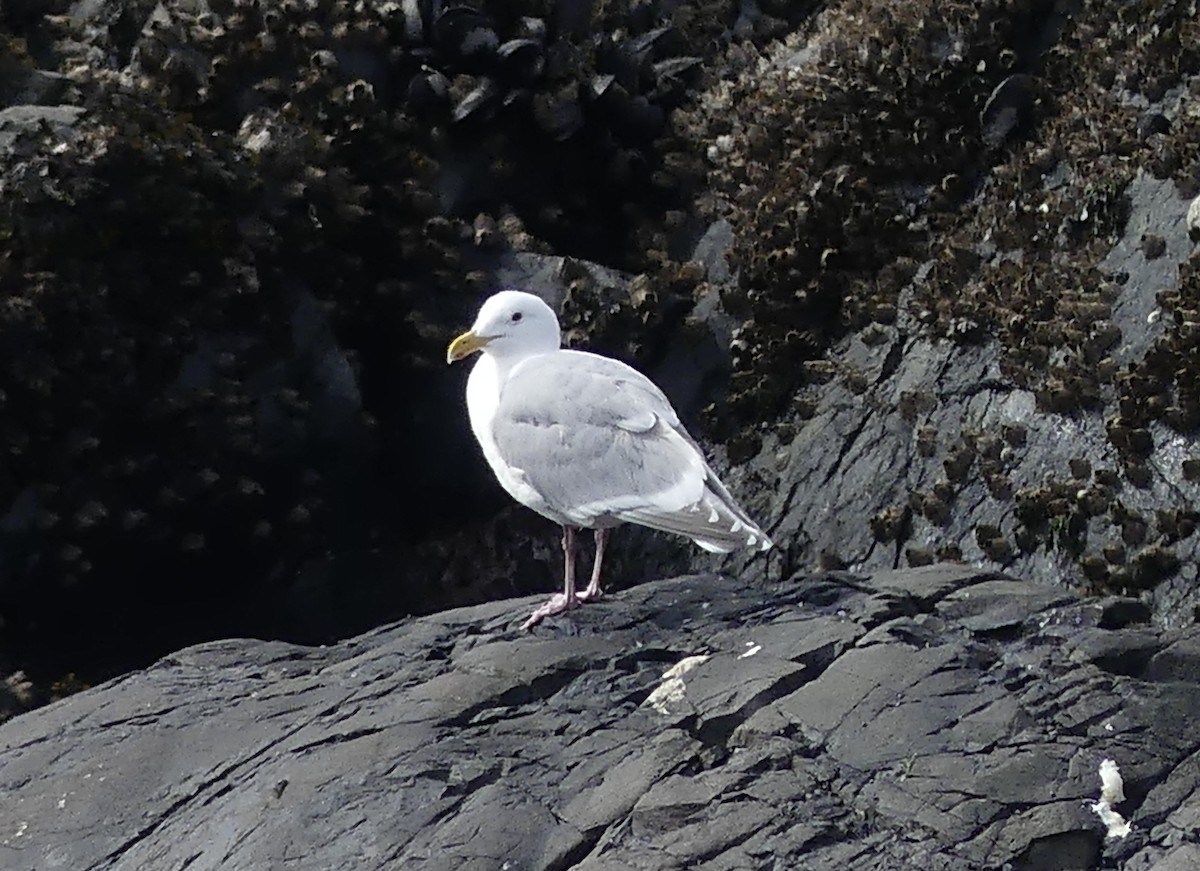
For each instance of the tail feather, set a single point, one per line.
(715, 522)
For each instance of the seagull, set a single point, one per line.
(587, 442)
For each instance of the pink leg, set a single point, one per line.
(593, 590)
(567, 599)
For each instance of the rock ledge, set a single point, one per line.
(939, 718)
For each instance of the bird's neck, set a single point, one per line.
(502, 364)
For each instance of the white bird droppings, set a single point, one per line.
(671, 692)
(1112, 792)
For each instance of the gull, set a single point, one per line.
(586, 441)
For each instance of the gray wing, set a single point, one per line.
(598, 443)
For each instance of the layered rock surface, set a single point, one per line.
(937, 718)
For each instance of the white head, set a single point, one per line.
(510, 324)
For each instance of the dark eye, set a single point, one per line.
(516, 316)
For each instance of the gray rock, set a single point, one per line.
(16, 121)
(859, 455)
(937, 718)
(1155, 208)
(41, 87)
(543, 274)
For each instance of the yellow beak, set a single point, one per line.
(464, 346)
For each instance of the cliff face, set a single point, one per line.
(928, 718)
(236, 239)
(920, 274)
(965, 227)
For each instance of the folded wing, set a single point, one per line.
(597, 443)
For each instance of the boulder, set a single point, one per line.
(938, 718)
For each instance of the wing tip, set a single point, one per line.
(724, 528)
(756, 539)
(761, 542)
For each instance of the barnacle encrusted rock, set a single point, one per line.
(969, 230)
(940, 245)
(232, 249)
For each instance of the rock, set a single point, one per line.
(548, 275)
(31, 120)
(1064, 310)
(1006, 106)
(857, 454)
(934, 718)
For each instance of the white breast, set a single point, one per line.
(483, 398)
